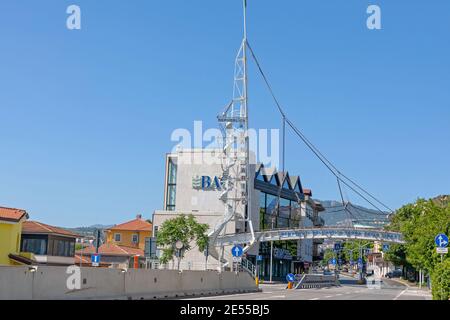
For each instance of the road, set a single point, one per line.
(349, 290)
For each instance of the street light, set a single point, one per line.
(179, 246)
(271, 252)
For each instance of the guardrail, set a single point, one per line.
(309, 281)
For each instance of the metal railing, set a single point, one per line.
(248, 266)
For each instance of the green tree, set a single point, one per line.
(327, 256)
(419, 223)
(182, 228)
(441, 281)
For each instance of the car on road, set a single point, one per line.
(394, 274)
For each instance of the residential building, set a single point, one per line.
(131, 234)
(11, 221)
(46, 245)
(111, 255)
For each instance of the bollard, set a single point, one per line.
(257, 281)
(290, 285)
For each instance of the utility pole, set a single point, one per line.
(271, 253)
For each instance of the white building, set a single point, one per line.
(193, 186)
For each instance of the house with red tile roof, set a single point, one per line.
(124, 242)
(111, 255)
(43, 244)
(131, 234)
(11, 220)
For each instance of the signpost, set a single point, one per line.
(237, 252)
(95, 259)
(290, 279)
(337, 246)
(385, 247)
(441, 241)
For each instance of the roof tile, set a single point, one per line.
(12, 214)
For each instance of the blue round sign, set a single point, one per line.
(441, 240)
(290, 277)
(237, 251)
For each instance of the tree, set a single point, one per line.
(419, 223)
(327, 256)
(441, 281)
(185, 229)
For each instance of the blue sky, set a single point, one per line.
(86, 115)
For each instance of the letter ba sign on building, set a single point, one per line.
(206, 183)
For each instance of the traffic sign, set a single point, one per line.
(340, 261)
(95, 259)
(337, 246)
(237, 259)
(360, 262)
(290, 277)
(237, 251)
(441, 240)
(333, 261)
(259, 258)
(385, 247)
(442, 250)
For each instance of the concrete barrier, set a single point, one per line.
(16, 283)
(309, 281)
(46, 282)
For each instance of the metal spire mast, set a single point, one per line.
(236, 150)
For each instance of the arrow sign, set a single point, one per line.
(441, 240)
(290, 277)
(237, 251)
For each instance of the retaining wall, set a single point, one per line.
(50, 283)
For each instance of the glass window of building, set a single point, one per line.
(286, 183)
(171, 185)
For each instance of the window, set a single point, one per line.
(171, 185)
(135, 238)
(117, 237)
(37, 246)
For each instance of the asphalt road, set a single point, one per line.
(348, 290)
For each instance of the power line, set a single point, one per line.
(336, 172)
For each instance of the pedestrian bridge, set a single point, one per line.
(313, 233)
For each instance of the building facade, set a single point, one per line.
(11, 221)
(277, 201)
(131, 234)
(43, 244)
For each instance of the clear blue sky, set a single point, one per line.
(86, 116)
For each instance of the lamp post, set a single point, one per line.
(271, 253)
(179, 246)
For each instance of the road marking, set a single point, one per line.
(400, 294)
(328, 296)
(314, 299)
(339, 294)
(219, 296)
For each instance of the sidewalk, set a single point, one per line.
(411, 285)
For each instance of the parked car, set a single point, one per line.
(394, 274)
